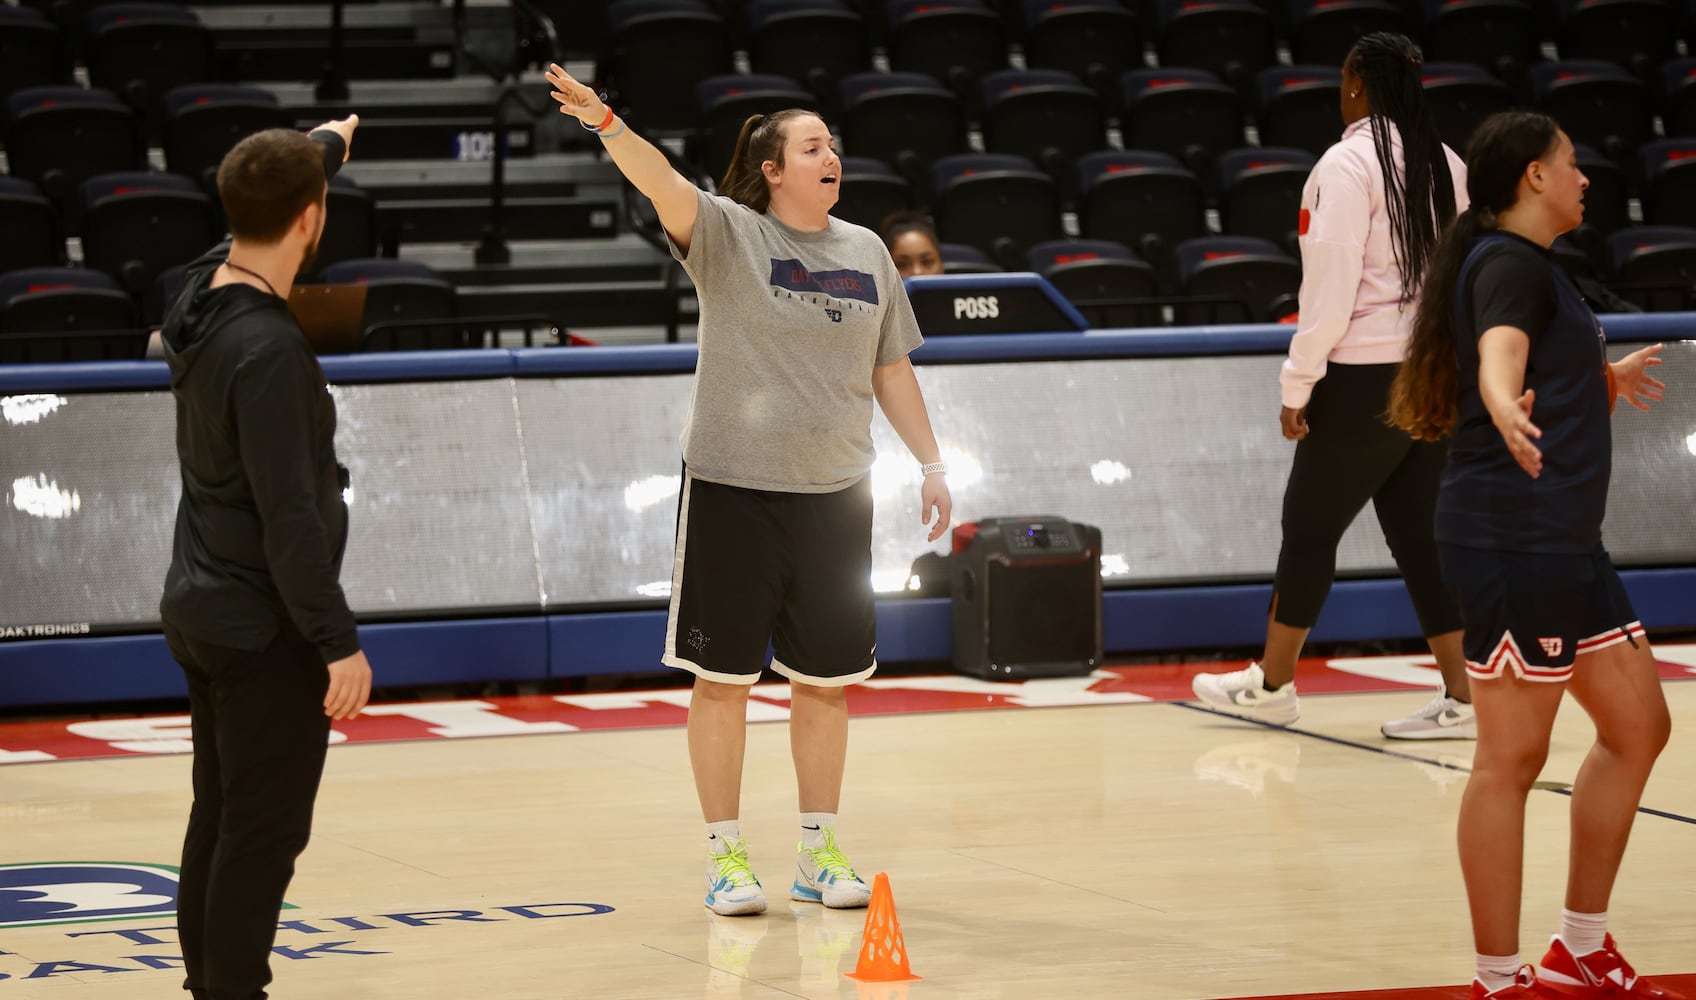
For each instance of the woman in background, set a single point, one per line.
(1371, 213)
(912, 243)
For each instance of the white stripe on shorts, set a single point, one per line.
(670, 657)
(798, 677)
(1612, 637)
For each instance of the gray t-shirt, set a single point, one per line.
(791, 325)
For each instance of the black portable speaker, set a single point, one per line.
(1026, 598)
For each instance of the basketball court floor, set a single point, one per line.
(1089, 838)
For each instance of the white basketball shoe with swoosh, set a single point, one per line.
(1243, 693)
(1443, 719)
(732, 888)
(824, 875)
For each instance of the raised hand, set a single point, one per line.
(575, 99)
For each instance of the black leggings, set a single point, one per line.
(1352, 454)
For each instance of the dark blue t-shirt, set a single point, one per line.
(1487, 501)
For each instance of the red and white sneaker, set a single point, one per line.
(1524, 987)
(1602, 973)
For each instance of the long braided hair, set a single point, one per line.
(1420, 197)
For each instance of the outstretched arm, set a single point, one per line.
(645, 167)
(1503, 352)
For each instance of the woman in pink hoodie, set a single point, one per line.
(1371, 215)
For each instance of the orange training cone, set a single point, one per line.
(883, 952)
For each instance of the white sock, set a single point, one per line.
(719, 833)
(1582, 933)
(813, 826)
(1498, 972)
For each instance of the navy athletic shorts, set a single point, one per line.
(1532, 613)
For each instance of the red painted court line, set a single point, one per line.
(1684, 984)
(74, 739)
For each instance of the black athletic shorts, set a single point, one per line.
(789, 570)
(1532, 613)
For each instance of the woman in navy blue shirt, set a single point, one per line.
(1508, 358)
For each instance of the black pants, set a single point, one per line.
(1352, 454)
(260, 734)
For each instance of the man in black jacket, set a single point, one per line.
(253, 609)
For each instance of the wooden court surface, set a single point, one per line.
(1146, 849)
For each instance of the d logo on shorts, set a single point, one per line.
(1551, 646)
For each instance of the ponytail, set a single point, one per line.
(1423, 397)
(761, 139)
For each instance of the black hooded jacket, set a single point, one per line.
(262, 526)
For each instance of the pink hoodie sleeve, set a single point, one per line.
(1336, 215)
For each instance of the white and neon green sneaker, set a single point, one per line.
(732, 888)
(823, 875)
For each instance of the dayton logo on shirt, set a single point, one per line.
(69, 892)
(793, 276)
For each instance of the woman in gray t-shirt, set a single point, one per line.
(804, 323)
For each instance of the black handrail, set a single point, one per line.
(493, 248)
(332, 86)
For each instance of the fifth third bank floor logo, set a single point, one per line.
(69, 892)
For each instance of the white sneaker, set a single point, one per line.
(1443, 719)
(823, 875)
(1243, 693)
(732, 888)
